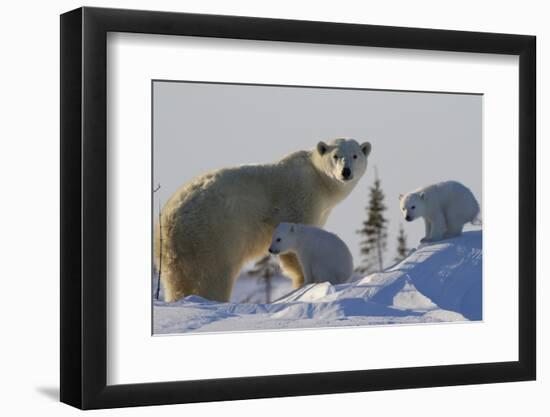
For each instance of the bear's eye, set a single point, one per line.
(335, 156)
(354, 156)
(278, 239)
(412, 207)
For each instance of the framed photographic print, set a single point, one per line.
(258, 207)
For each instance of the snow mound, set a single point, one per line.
(437, 282)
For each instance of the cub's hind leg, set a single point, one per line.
(454, 229)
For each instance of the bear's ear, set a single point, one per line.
(400, 197)
(322, 148)
(422, 195)
(366, 147)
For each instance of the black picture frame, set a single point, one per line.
(84, 207)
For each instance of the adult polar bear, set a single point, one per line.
(217, 222)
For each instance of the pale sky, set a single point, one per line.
(417, 139)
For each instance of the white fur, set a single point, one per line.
(323, 256)
(446, 207)
(219, 221)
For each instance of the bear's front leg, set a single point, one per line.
(427, 231)
(309, 276)
(438, 227)
(292, 268)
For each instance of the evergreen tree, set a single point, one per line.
(374, 230)
(402, 249)
(266, 268)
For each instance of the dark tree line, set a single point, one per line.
(374, 232)
(265, 269)
(402, 250)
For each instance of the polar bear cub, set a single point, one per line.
(323, 256)
(446, 207)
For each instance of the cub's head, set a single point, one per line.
(412, 205)
(284, 238)
(343, 160)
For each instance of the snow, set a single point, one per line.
(437, 282)
(250, 289)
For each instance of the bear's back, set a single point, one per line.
(321, 241)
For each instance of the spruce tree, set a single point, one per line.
(266, 268)
(402, 249)
(374, 231)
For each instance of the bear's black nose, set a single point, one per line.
(346, 172)
(270, 250)
(408, 218)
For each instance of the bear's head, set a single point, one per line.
(412, 205)
(284, 238)
(342, 160)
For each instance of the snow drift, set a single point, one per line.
(437, 282)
